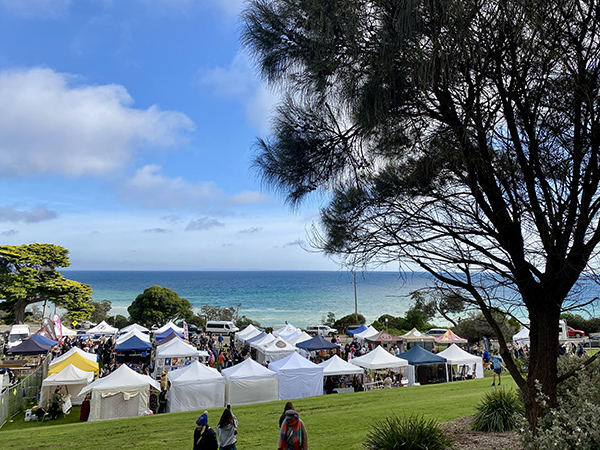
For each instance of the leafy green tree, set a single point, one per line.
(476, 326)
(29, 275)
(158, 305)
(218, 312)
(330, 320)
(457, 136)
(101, 310)
(118, 321)
(243, 320)
(350, 319)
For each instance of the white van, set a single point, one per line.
(221, 327)
(18, 333)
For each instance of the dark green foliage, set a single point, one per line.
(407, 433)
(118, 321)
(158, 305)
(350, 319)
(498, 411)
(101, 310)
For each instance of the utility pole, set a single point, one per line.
(355, 297)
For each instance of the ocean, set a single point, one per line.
(301, 298)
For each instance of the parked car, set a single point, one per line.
(571, 332)
(590, 342)
(321, 329)
(436, 332)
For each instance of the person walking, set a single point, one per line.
(293, 433)
(227, 430)
(56, 401)
(287, 406)
(162, 402)
(205, 437)
(497, 366)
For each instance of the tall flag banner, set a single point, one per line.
(49, 328)
(186, 334)
(58, 326)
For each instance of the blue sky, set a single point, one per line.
(126, 134)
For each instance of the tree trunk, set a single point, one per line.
(544, 348)
(20, 306)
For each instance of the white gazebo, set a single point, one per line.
(249, 382)
(103, 328)
(168, 325)
(379, 358)
(298, 377)
(274, 350)
(457, 356)
(72, 378)
(195, 387)
(123, 393)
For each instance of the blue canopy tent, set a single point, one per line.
(167, 332)
(133, 344)
(29, 347)
(357, 330)
(317, 343)
(44, 340)
(419, 357)
(172, 335)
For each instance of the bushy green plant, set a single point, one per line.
(407, 433)
(498, 411)
(575, 422)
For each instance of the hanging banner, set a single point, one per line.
(58, 326)
(185, 331)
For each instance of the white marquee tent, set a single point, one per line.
(123, 393)
(288, 330)
(134, 326)
(263, 341)
(170, 325)
(522, 337)
(379, 358)
(91, 356)
(72, 378)
(298, 377)
(103, 328)
(369, 332)
(300, 337)
(273, 351)
(337, 366)
(195, 387)
(134, 332)
(249, 382)
(64, 331)
(457, 356)
(174, 355)
(249, 332)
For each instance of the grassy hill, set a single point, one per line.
(333, 422)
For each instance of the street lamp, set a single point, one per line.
(386, 324)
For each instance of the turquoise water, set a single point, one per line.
(299, 297)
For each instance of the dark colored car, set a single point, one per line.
(591, 342)
(571, 332)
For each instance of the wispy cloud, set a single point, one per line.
(251, 230)
(9, 233)
(296, 243)
(156, 230)
(49, 123)
(248, 198)
(150, 187)
(238, 82)
(203, 224)
(34, 215)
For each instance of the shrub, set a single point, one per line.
(574, 422)
(407, 433)
(498, 411)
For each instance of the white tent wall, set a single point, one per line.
(457, 357)
(300, 383)
(251, 390)
(124, 402)
(71, 389)
(196, 396)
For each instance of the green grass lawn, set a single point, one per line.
(333, 422)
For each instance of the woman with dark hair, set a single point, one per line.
(226, 430)
(293, 433)
(287, 406)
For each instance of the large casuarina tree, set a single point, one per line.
(460, 137)
(29, 274)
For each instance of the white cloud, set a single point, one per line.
(251, 230)
(36, 8)
(34, 215)
(248, 198)
(9, 233)
(50, 124)
(238, 82)
(155, 190)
